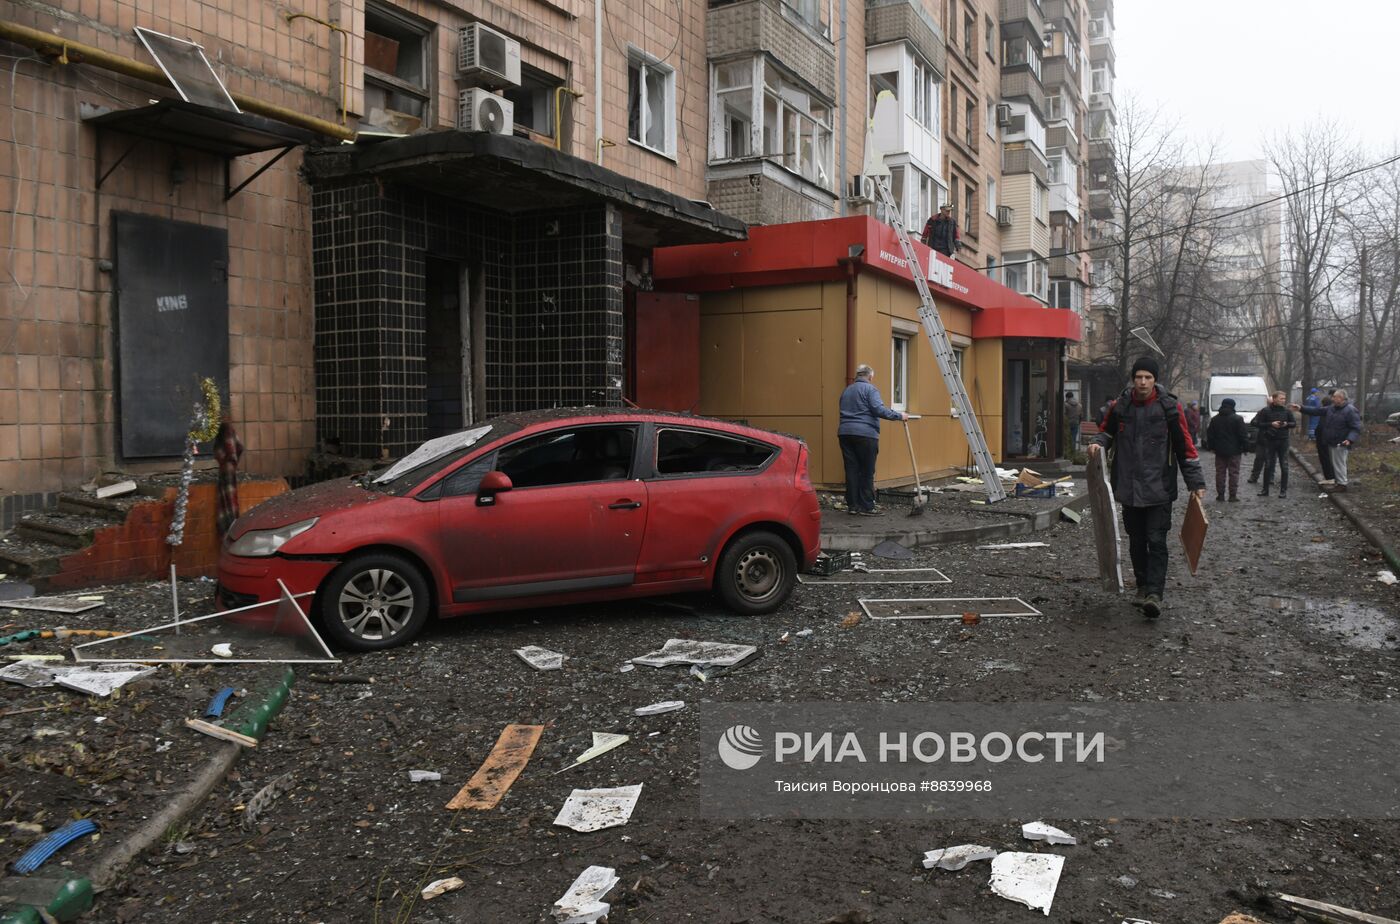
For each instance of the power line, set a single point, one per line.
(1217, 217)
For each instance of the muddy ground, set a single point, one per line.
(1285, 609)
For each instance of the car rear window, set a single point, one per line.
(692, 452)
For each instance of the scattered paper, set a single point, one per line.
(97, 679)
(1386, 577)
(1028, 878)
(955, 858)
(670, 705)
(442, 887)
(583, 903)
(223, 650)
(596, 809)
(541, 659)
(1040, 831)
(424, 776)
(686, 651)
(629, 666)
(603, 742)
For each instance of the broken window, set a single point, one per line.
(397, 69)
(691, 452)
(572, 456)
(796, 128)
(534, 101)
(733, 105)
(651, 103)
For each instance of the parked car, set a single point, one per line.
(536, 509)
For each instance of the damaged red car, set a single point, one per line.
(538, 509)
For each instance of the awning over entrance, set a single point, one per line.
(511, 175)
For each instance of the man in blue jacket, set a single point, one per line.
(1146, 429)
(1339, 428)
(859, 433)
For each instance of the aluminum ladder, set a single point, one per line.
(943, 350)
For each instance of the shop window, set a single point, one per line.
(651, 103)
(899, 372)
(397, 68)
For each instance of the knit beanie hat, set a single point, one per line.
(1147, 364)
(1227, 403)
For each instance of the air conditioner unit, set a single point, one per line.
(1003, 115)
(861, 188)
(488, 58)
(481, 110)
(1005, 215)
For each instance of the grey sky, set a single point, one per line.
(1237, 70)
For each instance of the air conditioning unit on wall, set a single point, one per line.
(861, 189)
(487, 58)
(481, 110)
(1005, 216)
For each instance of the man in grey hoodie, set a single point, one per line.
(859, 434)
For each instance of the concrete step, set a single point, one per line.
(113, 509)
(30, 560)
(71, 530)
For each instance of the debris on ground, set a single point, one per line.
(496, 774)
(217, 704)
(39, 854)
(1007, 546)
(262, 800)
(955, 858)
(595, 809)
(441, 887)
(1071, 515)
(56, 604)
(893, 551)
(116, 490)
(629, 666)
(424, 776)
(583, 903)
(1332, 914)
(670, 705)
(97, 679)
(687, 651)
(603, 742)
(850, 620)
(1386, 577)
(1239, 918)
(223, 650)
(1040, 831)
(1028, 878)
(541, 659)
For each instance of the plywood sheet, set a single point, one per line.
(1193, 531)
(496, 774)
(1105, 517)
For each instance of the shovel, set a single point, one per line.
(919, 500)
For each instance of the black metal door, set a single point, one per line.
(171, 327)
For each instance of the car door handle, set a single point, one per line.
(625, 505)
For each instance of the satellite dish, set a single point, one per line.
(1145, 336)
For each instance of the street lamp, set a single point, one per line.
(1362, 379)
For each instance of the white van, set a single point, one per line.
(1250, 392)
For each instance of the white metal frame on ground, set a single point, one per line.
(287, 597)
(818, 579)
(865, 605)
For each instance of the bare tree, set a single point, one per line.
(1373, 239)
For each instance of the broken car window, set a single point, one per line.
(688, 452)
(569, 456)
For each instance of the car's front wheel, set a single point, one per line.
(374, 601)
(756, 573)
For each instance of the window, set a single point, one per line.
(733, 105)
(1055, 107)
(651, 103)
(899, 372)
(886, 80)
(970, 124)
(396, 69)
(991, 195)
(465, 481)
(991, 270)
(953, 194)
(796, 128)
(569, 457)
(989, 119)
(1055, 169)
(920, 101)
(952, 110)
(1019, 51)
(694, 452)
(1037, 203)
(1066, 293)
(1098, 79)
(958, 356)
(534, 101)
(923, 205)
(970, 34)
(990, 42)
(969, 207)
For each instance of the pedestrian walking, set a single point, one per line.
(1338, 428)
(1146, 431)
(1273, 423)
(859, 435)
(1312, 400)
(941, 231)
(228, 449)
(1227, 435)
(1074, 415)
(1193, 421)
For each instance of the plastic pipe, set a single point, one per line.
(52, 843)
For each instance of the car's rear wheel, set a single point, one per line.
(756, 573)
(374, 601)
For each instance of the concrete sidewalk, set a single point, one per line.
(949, 517)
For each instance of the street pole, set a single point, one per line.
(1362, 380)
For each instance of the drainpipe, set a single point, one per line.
(845, 114)
(66, 51)
(851, 264)
(344, 57)
(598, 79)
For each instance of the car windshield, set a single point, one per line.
(1244, 404)
(425, 461)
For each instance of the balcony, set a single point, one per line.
(1104, 102)
(1061, 135)
(1101, 152)
(1063, 13)
(1101, 203)
(771, 26)
(1102, 53)
(1064, 197)
(1023, 84)
(1023, 160)
(1064, 267)
(1056, 73)
(1027, 11)
(906, 21)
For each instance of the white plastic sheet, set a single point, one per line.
(583, 903)
(596, 809)
(1028, 878)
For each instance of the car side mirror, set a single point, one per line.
(492, 483)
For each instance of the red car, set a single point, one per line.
(536, 509)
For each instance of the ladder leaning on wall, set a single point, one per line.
(943, 349)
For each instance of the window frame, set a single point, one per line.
(402, 23)
(991, 197)
(637, 439)
(644, 63)
(822, 134)
(655, 473)
(899, 370)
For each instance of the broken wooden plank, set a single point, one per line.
(500, 769)
(218, 731)
(1105, 522)
(1329, 914)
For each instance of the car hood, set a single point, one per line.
(317, 500)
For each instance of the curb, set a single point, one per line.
(1025, 524)
(1369, 532)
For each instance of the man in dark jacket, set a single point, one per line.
(1227, 437)
(1146, 431)
(1339, 428)
(859, 435)
(1274, 422)
(941, 231)
(1193, 420)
